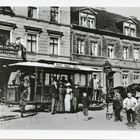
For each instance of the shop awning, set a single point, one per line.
(56, 66)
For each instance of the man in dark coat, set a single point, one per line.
(86, 103)
(75, 98)
(23, 100)
(117, 106)
(54, 96)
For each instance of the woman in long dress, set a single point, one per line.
(68, 98)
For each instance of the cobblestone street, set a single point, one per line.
(10, 119)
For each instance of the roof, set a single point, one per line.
(55, 66)
(108, 21)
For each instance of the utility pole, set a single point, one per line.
(107, 69)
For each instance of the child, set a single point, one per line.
(85, 105)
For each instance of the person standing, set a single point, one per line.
(117, 106)
(138, 106)
(54, 96)
(68, 98)
(21, 49)
(86, 103)
(26, 83)
(130, 104)
(75, 98)
(99, 92)
(60, 104)
(95, 87)
(23, 100)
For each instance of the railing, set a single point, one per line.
(9, 51)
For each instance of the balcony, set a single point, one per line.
(10, 52)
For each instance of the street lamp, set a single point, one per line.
(107, 69)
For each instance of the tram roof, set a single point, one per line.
(55, 66)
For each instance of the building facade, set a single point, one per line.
(44, 31)
(98, 35)
(84, 35)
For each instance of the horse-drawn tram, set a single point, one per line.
(38, 77)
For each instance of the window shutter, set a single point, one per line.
(74, 43)
(99, 48)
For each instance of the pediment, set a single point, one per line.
(87, 10)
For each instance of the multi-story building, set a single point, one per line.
(44, 32)
(98, 35)
(90, 38)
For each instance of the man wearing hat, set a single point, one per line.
(75, 97)
(130, 104)
(54, 96)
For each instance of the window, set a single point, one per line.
(125, 52)
(32, 12)
(94, 48)
(136, 54)
(54, 14)
(125, 79)
(126, 30)
(132, 32)
(4, 36)
(136, 78)
(31, 43)
(130, 29)
(80, 79)
(87, 20)
(54, 44)
(110, 50)
(80, 46)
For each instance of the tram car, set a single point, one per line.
(39, 76)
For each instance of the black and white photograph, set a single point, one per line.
(69, 68)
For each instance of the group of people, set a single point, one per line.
(64, 96)
(130, 104)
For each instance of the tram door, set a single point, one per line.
(39, 85)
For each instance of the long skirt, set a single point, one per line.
(74, 103)
(67, 102)
(60, 104)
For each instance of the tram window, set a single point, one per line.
(39, 78)
(89, 79)
(82, 80)
(76, 78)
(47, 79)
(11, 78)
